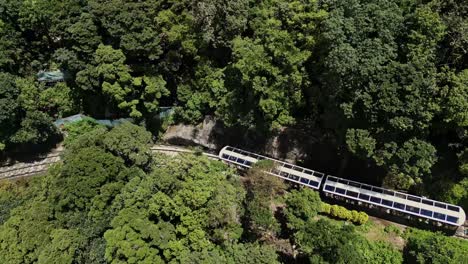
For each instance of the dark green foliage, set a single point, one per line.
(76, 129)
(341, 244)
(35, 128)
(82, 176)
(425, 247)
(301, 207)
(262, 188)
(131, 142)
(385, 79)
(25, 233)
(174, 211)
(9, 108)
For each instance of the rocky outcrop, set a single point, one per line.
(287, 144)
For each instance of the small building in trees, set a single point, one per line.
(50, 76)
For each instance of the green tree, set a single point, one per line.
(130, 142)
(62, 249)
(82, 176)
(301, 207)
(262, 188)
(174, 211)
(388, 93)
(25, 233)
(75, 129)
(9, 108)
(220, 21)
(35, 128)
(112, 77)
(426, 247)
(58, 101)
(10, 47)
(324, 241)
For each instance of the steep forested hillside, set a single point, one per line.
(387, 79)
(111, 202)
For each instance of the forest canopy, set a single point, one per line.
(384, 82)
(100, 205)
(387, 79)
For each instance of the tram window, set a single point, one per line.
(248, 163)
(375, 199)
(352, 194)
(275, 171)
(332, 179)
(255, 156)
(229, 148)
(364, 196)
(440, 205)
(387, 202)
(314, 183)
(339, 190)
(294, 177)
(241, 161)
(439, 216)
(428, 202)
(329, 188)
(412, 209)
(343, 181)
(298, 169)
(284, 174)
(366, 187)
(388, 192)
(304, 180)
(289, 166)
(308, 172)
(414, 198)
(225, 156)
(426, 212)
(377, 190)
(232, 158)
(318, 174)
(398, 206)
(453, 208)
(452, 219)
(355, 184)
(400, 195)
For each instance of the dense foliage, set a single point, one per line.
(118, 203)
(383, 80)
(387, 79)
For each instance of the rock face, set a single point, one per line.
(287, 144)
(190, 135)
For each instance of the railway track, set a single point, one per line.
(20, 170)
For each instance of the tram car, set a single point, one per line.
(448, 215)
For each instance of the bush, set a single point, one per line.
(325, 208)
(75, 129)
(345, 214)
(392, 229)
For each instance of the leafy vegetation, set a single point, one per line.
(117, 203)
(385, 81)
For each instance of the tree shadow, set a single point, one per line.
(30, 152)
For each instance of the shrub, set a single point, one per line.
(325, 208)
(345, 214)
